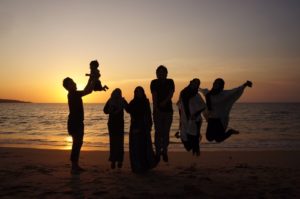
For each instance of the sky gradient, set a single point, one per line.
(44, 41)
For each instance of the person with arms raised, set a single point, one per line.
(76, 118)
(219, 103)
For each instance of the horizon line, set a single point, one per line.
(281, 102)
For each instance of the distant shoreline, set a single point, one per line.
(12, 101)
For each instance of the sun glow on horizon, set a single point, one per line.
(42, 42)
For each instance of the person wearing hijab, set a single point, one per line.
(190, 106)
(140, 145)
(219, 103)
(114, 107)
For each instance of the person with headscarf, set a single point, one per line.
(190, 106)
(115, 108)
(140, 145)
(219, 103)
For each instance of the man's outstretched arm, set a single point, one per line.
(89, 87)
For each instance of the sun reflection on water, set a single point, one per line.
(68, 142)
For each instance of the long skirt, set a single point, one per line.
(141, 151)
(116, 143)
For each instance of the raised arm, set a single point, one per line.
(234, 94)
(89, 86)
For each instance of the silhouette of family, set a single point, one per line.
(215, 109)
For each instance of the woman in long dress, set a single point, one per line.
(115, 108)
(140, 144)
(219, 103)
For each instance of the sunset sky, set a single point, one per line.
(43, 41)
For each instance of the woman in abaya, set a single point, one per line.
(115, 108)
(140, 144)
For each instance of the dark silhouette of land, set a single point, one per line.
(12, 101)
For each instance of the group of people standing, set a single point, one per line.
(191, 107)
(142, 156)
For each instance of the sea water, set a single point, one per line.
(262, 126)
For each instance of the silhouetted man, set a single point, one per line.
(76, 117)
(162, 90)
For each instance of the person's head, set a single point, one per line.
(218, 85)
(195, 83)
(69, 84)
(94, 64)
(116, 94)
(161, 72)
(139, 92)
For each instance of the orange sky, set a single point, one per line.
(44, 41)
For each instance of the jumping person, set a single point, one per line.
(190, 106)
(162, 90)
(219, 103)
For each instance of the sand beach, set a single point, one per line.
(37, 173)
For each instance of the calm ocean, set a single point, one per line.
(263, 126)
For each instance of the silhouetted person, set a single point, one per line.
(219, 103)
(190, 106)
(115, 108)
(96, 74)
(76, 117)
(140, 144)
(162, 90)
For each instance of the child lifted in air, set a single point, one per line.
(96, 74)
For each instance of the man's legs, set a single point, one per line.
(162, 125)
(158, 134)
(76, 147)
(167, 122)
